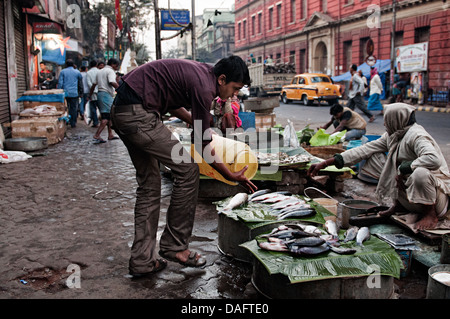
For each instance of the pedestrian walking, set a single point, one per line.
(376, 87)
(147, 93)
(84, 96)
(91, 78)
(106, 83)
(69, 80)
(414, 174)
(356, 93)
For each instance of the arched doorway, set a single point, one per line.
(321, 58)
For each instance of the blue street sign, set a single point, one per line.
(181, 16)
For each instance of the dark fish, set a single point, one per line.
(306, 241)
(258, 193)
(309, 250)
(288, 234)
(297, 213)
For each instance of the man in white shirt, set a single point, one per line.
(106, 83)
(91, 78)
(356, 92)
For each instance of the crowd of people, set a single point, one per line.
(91, 87)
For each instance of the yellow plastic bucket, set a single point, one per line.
(234, 154)
(329, 204)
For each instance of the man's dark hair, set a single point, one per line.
(83, 68)
(354, 67)
(335, 109)
(93, 64)
(234, 69)
(69, 63)
(113, 61)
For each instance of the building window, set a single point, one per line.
(323, 5)
(270, 18)
(278, 59)
(279, 16)
(304, 9)
(244, 30)
(362, 49)
(259, 23)
(347, 54)
(292, 57)
(422, 34)
(253, 25)
(239, 32)
(302, 68)
(398, 40)
(293, 10)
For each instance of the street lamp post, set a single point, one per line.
(157, 31)
(194, 56)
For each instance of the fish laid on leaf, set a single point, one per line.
(306, 241)
(293, 207)
(299, 213)
(350, 234)
(276, 199)
(287, 203)
(273, 246)
(332, 228)
(237, 200)
(363, 235)
(342, 250)
(264, 197)
(258, 193)
(309, 250)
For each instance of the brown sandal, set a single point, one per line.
(194, 259)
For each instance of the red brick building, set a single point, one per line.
(329, 35)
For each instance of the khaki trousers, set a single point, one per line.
(149, 143)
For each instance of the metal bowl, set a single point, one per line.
(26, 144)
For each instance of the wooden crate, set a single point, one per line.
(60, 106)
(48, 126)
(264, 121)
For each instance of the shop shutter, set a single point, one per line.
(5, 116)
(20, 50)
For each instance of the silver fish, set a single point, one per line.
(237, 200)
(297, 206)
(310, 250)
(275, 199)
(363, 235)
(273, 246)
(297, 213)
(331, 228)
(313, 230)
(264, 196)
(350, 234)
(342, 250)
(286, 203)
(259, 193)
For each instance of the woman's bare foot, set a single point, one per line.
(430, 220)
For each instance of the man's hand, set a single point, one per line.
(243, 180)
(315, 168)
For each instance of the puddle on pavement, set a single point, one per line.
(46, 279)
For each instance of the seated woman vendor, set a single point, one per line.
(415, 175)
(226, 114)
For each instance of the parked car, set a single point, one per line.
(310, 87)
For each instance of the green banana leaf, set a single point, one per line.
(322, 139)
(375, 257)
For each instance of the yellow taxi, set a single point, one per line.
(310, 87)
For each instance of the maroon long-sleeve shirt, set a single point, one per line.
(168, 84)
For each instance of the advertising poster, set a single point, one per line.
(412, 58)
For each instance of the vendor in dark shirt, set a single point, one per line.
(147, 93)
(344, 118)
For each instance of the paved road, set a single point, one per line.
(437, 124)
